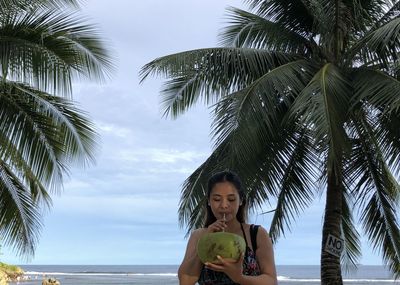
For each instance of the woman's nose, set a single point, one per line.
(224, 204)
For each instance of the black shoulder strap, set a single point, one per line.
(253, 236)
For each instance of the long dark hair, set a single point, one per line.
(226, 176)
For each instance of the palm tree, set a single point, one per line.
(44, 44)
(305, 98)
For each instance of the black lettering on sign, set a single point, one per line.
(334, 245)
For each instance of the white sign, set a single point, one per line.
(334, 245)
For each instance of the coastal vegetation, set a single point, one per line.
(305, 100)
(44, 45)
(9, 273)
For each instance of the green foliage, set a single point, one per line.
(9, 272)
(44, 45)
(8, 268)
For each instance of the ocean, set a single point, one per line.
(166, 275)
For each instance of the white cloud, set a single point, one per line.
(114, 130)
(160, 155)
(174, 156)
(141, 208)
(75, 184)
(169, 170)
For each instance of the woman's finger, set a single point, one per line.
(217, 226)
(214, 266)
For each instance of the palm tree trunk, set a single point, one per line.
(330, 264)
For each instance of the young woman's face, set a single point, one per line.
(224, 201)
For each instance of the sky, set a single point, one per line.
(123, 209)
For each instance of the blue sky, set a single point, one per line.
(123, 210)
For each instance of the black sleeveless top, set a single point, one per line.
(250, 265)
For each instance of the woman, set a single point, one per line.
(226, 211)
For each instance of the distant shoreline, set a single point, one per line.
(167, 274)
(177, 265)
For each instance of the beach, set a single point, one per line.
(166, 274)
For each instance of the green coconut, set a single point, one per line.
(227, 245)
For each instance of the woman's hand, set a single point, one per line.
(233, 269)
(217, 226)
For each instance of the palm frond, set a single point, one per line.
(44, 45)
(192, 205)
(392, 12)
(30, 137)
(378, 194)
(76, 133)
(226, 156)
(257, 153)
(377, 88)
(19, 217)
(30, 178)
(29, 5)
(320, 107)
(296, 16)
(388, 132)
(50, 132)
(297, 186)
(352, 250)
(257, 103)
(379, 45)
(211, 73)
(47, 48)
(380, 224)
(249, 30)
